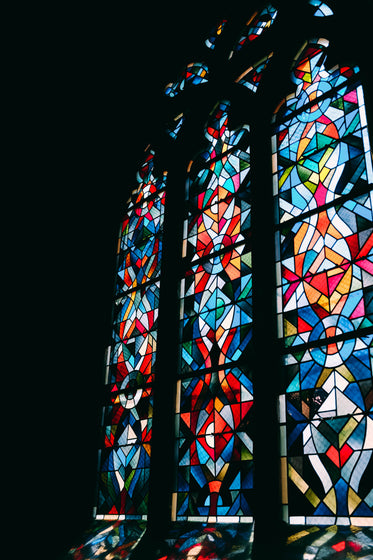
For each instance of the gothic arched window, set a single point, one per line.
(239, 380)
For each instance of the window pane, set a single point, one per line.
(127, 416)
(214, 445)
(323, 188)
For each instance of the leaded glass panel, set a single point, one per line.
(323, 188)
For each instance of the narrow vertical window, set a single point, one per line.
(323, 187)
(214, 396)
(127, 416)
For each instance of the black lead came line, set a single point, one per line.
(327, 341)
(352, 195)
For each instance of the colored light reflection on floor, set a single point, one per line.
(200, 541)
(197, 541)
(330, 543)
(108, 541)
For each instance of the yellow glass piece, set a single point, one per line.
(302, 534)
(174, 506)
(324, 376)
(324, 173)
(223, 472)
(331, 501)
(353, 501)
(347, 431)
(297, 479)
(324, 302)
(311, 497)
(345, 372)
(218, 405)
(284, 481)
(325, 157)
(251, 18)
(334, 300)
(285, 175)
(289, 329)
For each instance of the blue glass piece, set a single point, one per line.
(294, 412)
(323, 511)
(353, 392)
(341, 489)
(296, 431)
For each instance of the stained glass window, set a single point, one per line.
(214, 396)
(127, 416)
(323, 188)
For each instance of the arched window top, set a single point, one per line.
(218, 132)
(148, 184)
(309, 73)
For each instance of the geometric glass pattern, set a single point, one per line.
(322, 182)
(214, 393)
(215, 34)
(214, 383)
(323, 10)
(175, 126)
(255, 27)
(251, 77)
(193, 74)
(323, 177)
(127, 416)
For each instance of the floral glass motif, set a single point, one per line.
(127, 416)
(323, 188)
(213, 409)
